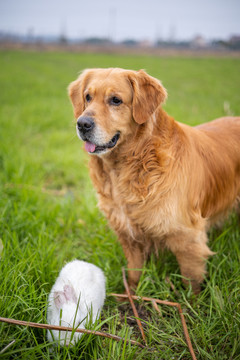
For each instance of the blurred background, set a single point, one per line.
(146, 25)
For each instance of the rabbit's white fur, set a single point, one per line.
(79, 293)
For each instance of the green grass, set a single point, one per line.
(48, 213)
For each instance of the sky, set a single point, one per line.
(122, 19)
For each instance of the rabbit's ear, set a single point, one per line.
(59, 299)
(69, 293)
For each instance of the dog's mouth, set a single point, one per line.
(96, 149)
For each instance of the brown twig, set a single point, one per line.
(144, 298)
(155, 306)
(185, 330)
(169, 303)
(64, 328)
(133, 306)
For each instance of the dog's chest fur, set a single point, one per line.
(129, 210)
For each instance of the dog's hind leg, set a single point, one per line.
(191, 251)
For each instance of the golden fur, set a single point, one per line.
(163, 183)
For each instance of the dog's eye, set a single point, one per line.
(88, 98)
(115, 101)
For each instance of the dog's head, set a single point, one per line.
(109, 103)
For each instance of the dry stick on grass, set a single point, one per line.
(169, 303)
(183, 324)
(133, 306)
(64, 328)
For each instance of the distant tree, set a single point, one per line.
(129, 42)
(97, 41)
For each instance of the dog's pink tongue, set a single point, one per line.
(89, 147)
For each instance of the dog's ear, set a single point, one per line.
(148, 94)
(75, 92)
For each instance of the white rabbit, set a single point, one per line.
(76, 297)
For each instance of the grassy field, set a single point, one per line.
(48, 213)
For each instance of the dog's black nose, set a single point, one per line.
(85, 124)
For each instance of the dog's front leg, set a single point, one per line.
(135, 260)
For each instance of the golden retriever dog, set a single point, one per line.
(160, 183)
